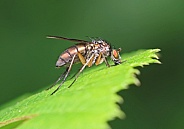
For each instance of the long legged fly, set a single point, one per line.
(88, 53)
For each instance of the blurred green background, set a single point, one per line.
(28, 59)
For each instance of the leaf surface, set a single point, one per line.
(88, 104)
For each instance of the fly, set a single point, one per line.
(88, 53)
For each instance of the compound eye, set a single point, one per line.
(115, 54)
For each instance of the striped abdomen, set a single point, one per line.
(66, 57)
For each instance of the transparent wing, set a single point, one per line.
(64, 38)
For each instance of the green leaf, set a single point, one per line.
(88, 104)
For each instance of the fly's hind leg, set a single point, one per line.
(82, 60)
(81, 69)
(64, 75)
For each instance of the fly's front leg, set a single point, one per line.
(106, 62)
(66, 74)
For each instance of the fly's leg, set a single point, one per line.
(106, 62)
(81, 69)
(59, 78)
(66, 74)
(82, 60)
(99, 59)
